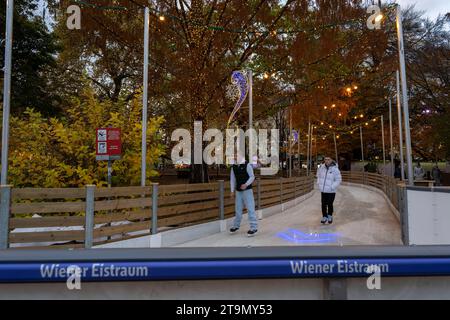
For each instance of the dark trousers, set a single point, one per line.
(327, 203)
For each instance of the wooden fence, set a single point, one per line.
(389, 185)
(82, 217)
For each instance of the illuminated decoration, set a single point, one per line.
(162, 18)
(238, 90)
(295, 135)
(297, 236)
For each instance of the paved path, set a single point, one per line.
(361, 217)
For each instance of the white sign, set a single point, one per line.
(101, 135)
(102, 147)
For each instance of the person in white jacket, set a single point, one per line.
(328, 180)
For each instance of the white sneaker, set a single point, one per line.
(330, 219)
(324, 220)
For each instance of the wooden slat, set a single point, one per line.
(48, 236)
(110, 231)
(270, 188)
(189, 218)
(122, 192)
(270, 182)
(53, 247)
(183, 188)
(118, 204)
(165, 200)
(184, 208)
(47, 193)
(46, 222)
(126, 216)
(270, 195)
(48, 207)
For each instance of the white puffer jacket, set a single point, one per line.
(328, 179)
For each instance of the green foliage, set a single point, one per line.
(34, 57)
(61, 152)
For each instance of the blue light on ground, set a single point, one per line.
(297, 236)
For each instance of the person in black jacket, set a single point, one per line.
(241, 179)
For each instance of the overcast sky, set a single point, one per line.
(432, 8)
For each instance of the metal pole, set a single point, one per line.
(311, 149)
(7, 90)
(154, 208)
(384, 147)
(258, 192)
(317, 154)
(250, 100)
(5, 205)
(290, 143)
(401, 51)
(90, 207)
(307, 152)
(391, 137)
(400, 126)
(335, 148)
(298, 151)
(145, 97)
(109, 173)
(362, 146)
(221, 200)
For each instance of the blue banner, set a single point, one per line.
(222, 269)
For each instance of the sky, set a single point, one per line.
(432, 8)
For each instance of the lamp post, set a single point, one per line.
(391, 137)
(7, 90)
(145, 97)
(400, 127)
(362, 145)
(384, 146)
(335, 148)
(401, 52)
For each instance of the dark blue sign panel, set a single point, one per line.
(222, 269)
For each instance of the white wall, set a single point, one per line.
(428, 217)
(274, 289)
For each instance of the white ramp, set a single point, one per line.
(362, 217)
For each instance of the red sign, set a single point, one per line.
(108, 144)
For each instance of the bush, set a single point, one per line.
(60, 152)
